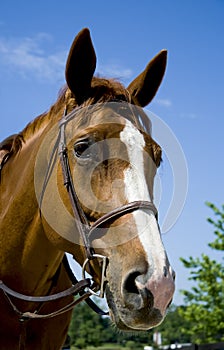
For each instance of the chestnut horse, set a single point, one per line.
(79, 179)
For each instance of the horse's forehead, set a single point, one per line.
(120, 128)
(106, 115)
(109, 121)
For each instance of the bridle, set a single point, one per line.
(86, 287)
(86, 231)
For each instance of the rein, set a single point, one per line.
(86, 287)
(78, 287)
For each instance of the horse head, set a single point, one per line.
(112, 160)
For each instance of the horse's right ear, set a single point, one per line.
(81, 65)
(145, 86)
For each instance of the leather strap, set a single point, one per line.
(25, 316)
(125, 209)
(81, 220)
(79, 286)
(74, 280)
(84, 228)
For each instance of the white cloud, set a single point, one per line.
(115, 71)
(30, 57)
(165, 102)
(34, 57)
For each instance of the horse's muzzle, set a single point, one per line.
(149, 295)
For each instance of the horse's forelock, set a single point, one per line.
(102, 90)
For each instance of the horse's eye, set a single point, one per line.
(82, 149)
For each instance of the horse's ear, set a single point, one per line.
(144, 87)
(80, 66)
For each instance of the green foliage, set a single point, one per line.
(130, 344)
(85, 327)
(218, 244)
(89, 329)
(173, 327)
(205, 301)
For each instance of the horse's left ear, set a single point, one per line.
(145, 86)
(81, 65)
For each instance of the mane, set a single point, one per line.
(102, 90)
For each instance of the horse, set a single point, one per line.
(79, 179)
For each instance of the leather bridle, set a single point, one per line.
(86, 231)
(86, 287)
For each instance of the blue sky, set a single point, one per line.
(35, 38)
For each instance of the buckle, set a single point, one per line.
(95, 291)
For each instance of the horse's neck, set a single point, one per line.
(27, 258)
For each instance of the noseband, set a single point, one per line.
(85, 287)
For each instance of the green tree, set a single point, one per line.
(89, 329)
(173, 327)
(205, 301)
(85, 327)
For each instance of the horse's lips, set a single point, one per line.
(127, 320)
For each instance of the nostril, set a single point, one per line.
(169, 272)
(165, 272)
(130, 285)
(136, 295)
(174, 275)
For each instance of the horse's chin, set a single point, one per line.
(129, 320)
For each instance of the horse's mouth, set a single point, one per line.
(127, 319)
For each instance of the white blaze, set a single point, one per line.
(136, 189)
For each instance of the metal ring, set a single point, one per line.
(98, 293)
